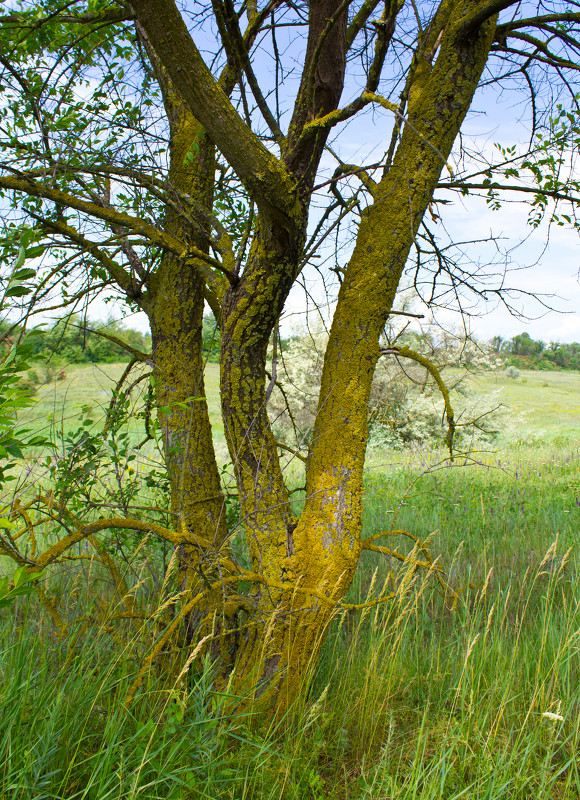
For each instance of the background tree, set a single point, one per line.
(70, 340)
(211, 338)
(525, 352)
(171, 179)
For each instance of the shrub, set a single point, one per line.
(405, 406)
(512, 372)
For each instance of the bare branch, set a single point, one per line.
(264, 175)
(472, 21)
(138, 355)
(460, 185)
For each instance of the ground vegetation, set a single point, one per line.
(174, 157)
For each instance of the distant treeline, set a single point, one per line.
(526, 353)
(71, 340)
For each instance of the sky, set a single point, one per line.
(546, 263)
(543, 262)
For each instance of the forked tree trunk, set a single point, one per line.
(321, 553)
(303, 567)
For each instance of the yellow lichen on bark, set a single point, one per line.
(328, 532)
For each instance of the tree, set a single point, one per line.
(69, 340)
(211, 338)
(172, 179)
(524, 345)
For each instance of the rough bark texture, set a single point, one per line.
(307, 564)
(266, 639)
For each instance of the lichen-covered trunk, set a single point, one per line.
(301, 567)
(309, 564)
(178, 370)
(294, 595)
(175, 310)
(197, 502)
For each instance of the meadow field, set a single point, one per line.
(465, 685)
(539, 405)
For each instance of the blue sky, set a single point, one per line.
(544, 261)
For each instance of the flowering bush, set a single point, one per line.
(405, 406)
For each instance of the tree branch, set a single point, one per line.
(138, 355)
(110, 215)
(406, 352)
(472, 21)
(84, 531)
(541, 47)
(459, 185)
(359, 21)
(534, 22)
(234, 42)
(264, 175)
(123, 279)
(110, 16)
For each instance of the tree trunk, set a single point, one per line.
(321, 553)
(303, 567)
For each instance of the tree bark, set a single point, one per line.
(301, 566)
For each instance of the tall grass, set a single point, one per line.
(475, 694)
(64, 732)
(445, 702)
(417, 700)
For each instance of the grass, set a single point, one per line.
(472, 695)
(482, 507)
(540, 404)
(50, 748)
(60, 401)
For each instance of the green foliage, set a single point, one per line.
(524, 352)
(68, 341)
(21, 583)
(14, 441)
(98, 465)
(545, 166)
(12, 400)
(211, 339)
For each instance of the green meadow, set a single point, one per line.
(536, 404)
(541, 405)
(465, 684)
(59, 402)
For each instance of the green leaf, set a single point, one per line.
(191, 154)
(17, 291)
(35, 252)
(20, 258)
(23, 275)
(19, 577)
